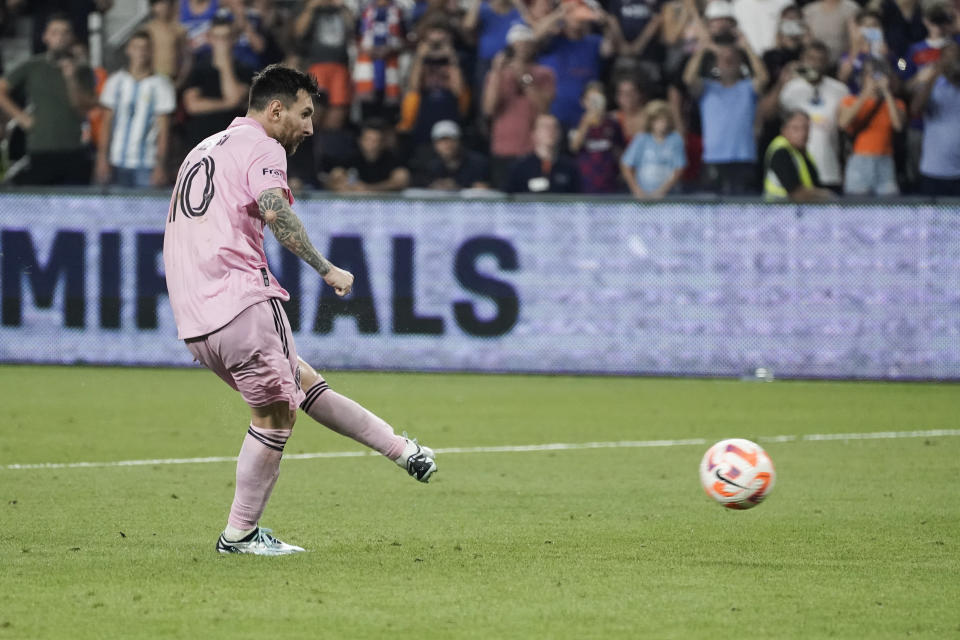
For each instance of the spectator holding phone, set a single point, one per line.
(871, 118)
(940, 20)
(792, 34)
(435, 87)
(728, 104)
(517, 90)
(866, 44)
(488, 22)
(59, 91)
(574, 53)
(598, 142)
(938, 102)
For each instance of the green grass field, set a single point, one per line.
(859, 539)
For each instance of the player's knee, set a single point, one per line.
(274, 416)
(308, 375)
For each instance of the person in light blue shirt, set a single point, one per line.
(655, 160)
(728, 106)
(938, 101)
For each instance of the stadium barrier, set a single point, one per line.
(580, 286)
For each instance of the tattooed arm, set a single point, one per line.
(286, 226)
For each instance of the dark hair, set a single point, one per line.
(221, 20)
(631, 78)
(277, 82)
(437, 25)
(790, 114)
(817, 45)
(59, 16)
(140, 33)
(790, 8)
(868, 13)
(725, 39)
(939, 14)
(374, 124)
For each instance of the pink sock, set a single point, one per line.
(346, 417)
(257, 469)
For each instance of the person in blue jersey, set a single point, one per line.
(488, 22)
(575, 53)
(135, 134)
(197, 16)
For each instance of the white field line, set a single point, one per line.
(555, 446)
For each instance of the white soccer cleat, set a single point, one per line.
(259, 543)
(418, 460)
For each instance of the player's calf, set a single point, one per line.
(346, 417)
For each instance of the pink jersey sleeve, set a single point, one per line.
(268, 169)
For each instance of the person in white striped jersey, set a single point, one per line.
(136, 128)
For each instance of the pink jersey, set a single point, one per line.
(213, 242)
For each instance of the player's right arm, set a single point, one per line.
(289, 230)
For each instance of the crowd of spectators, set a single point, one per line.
(652, 98)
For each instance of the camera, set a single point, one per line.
(435, 52)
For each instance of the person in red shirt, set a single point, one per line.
(517, 90)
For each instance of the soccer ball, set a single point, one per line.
(737, 473)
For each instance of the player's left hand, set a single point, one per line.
(340, 279)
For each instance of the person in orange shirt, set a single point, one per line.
(871, 119)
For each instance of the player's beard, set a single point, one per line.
(291, 140)
(291, 147)
(292, 143)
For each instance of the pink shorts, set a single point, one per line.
(255, 355)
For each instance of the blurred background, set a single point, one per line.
(629, 187)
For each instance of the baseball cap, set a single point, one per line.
(719, 9)
(445, 129)
(519, 33)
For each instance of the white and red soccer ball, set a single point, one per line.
(737, 473)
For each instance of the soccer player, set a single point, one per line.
(227, 303)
